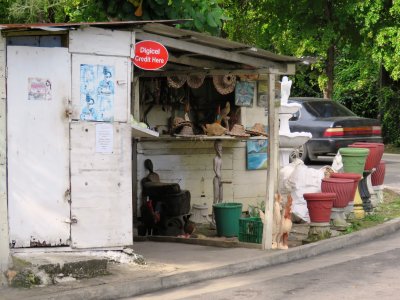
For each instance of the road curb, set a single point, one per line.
(272, 257)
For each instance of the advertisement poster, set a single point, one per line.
(97, 92)
(39, 89)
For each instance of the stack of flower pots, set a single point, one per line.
(349, 209)
(354, 162)
(377, 179)
(344, 190)
(367, 193)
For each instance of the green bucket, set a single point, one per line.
(354, 159)
(227, 217)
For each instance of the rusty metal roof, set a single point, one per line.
(107, 24)
(189, 50)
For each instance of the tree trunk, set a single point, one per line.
(330, 62)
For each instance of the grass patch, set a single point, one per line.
(389, 209)
(392, 149)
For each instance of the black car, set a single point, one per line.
(332, 126)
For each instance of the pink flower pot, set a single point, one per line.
(353, 176)
(319, 206)
(378, 176)
(342, 187)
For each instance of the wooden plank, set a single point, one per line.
(4, 237)
(272, 170)
(91, 40)
(197, 62)
(208, 51)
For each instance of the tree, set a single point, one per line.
(298, 27)
(204, 15)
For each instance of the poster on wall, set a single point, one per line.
(262, 93)
(256, 151)
(39, 89)
(97, 92)
(104, 138)
(244, 93)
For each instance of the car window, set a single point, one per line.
(327, 109)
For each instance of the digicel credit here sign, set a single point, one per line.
(150, 55)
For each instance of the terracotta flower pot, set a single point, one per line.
(381, 148)
(378, 176)
(342, 187)
(353, 176)
(373, 157)
(319, 206)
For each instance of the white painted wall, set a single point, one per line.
(4, 244)
(190, 163)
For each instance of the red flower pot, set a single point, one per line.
(378, 176)
(319, 206)
(353, 176)
(374, 155)
(342, 187)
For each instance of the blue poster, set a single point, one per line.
(244, 93)
(97, 93)
(256, 154)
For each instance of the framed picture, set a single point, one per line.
(262, 93)
(244, 93)
(256, 151)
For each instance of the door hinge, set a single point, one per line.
(67, 196)
(72, 220)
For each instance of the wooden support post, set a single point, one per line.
(272, 171)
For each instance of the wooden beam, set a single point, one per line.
(209, 51)
(197, 72)
(273, 141)
(197, 62)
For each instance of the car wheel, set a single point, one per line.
(301, 153)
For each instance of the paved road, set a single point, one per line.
(366, 271)
(392, 176)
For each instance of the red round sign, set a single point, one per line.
(150, 55)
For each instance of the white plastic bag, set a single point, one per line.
(299, 179)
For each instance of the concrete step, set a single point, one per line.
(49, 268)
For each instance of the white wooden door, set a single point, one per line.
(38, 89)
(101, 184)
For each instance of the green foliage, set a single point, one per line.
(40, 11)
(207, 15)
(390, 108)
(254, 210)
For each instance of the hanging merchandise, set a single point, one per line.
(195, 81)
(176, 81)
(224, 84)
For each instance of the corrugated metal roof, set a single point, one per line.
(216, 42)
